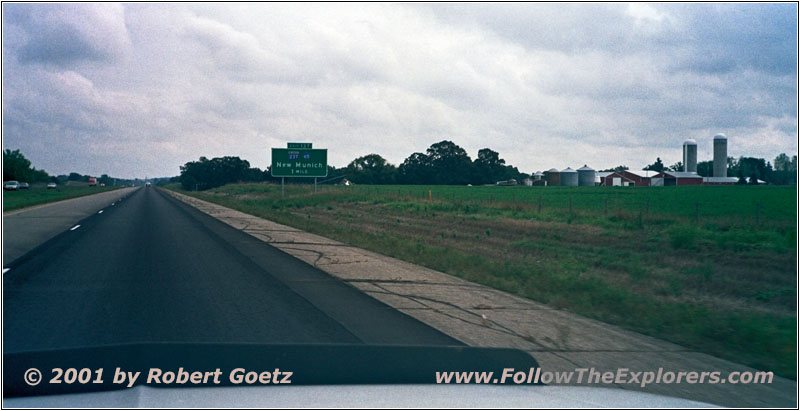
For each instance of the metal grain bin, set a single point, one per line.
(586, 176)
(552, 176)
(538, 176)
(569, 177)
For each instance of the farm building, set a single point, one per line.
(639, 177)
(676, 178)
(615, 179)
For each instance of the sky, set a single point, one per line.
(135, 90)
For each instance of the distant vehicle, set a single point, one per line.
(24, 186)
(51, 185)
(11, 185)
(92, 181)
(102, 184)
(147, 184)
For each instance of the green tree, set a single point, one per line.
(450, 163)
(15, 166)
(677, 166)
(616, 169)
(706, 168)
(658, 166)
(782, 162)
(489, 168)
(371, 169)
(204, 173)
(416, 169)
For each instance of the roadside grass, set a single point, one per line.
(724, 284)
(14, 200)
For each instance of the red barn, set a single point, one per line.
(615, 179)
(639, 178)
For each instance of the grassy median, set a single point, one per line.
(13, 200)
(711, 268)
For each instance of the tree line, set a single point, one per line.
(447, 163)
(442, 163)
(18, 168)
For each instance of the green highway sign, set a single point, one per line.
(291, 162)
(299, 145)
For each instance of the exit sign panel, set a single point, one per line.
(290, 162)
(299, 145)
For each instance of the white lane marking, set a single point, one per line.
(5, 270)
(100, 212)
(74, 228)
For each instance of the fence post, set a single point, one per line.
(570, 206)
(430, 196)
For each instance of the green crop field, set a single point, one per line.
(712, 268)
(38, 194)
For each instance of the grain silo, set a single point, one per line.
(586, 176)
(569, 177)
(552, 176)
(690, 156)
(720, 155)
(538, 176)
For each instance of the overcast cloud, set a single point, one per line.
(140, 89)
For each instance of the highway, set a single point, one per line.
(152, 269)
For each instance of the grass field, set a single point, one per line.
(38, 194)
(711, 268)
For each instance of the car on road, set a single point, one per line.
(24, 186)
(147, 184)
(11, 185)
(51, 185)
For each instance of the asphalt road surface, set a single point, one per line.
(25, 229)
(152, 269)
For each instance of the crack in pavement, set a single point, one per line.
(485, 322)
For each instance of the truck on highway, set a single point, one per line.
(92, 181)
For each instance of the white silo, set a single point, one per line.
(690, 156)
(720, 155)
(569, 177)
(586, 176)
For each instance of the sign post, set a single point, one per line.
(299, 160)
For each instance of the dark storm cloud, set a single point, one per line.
(61, 34)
